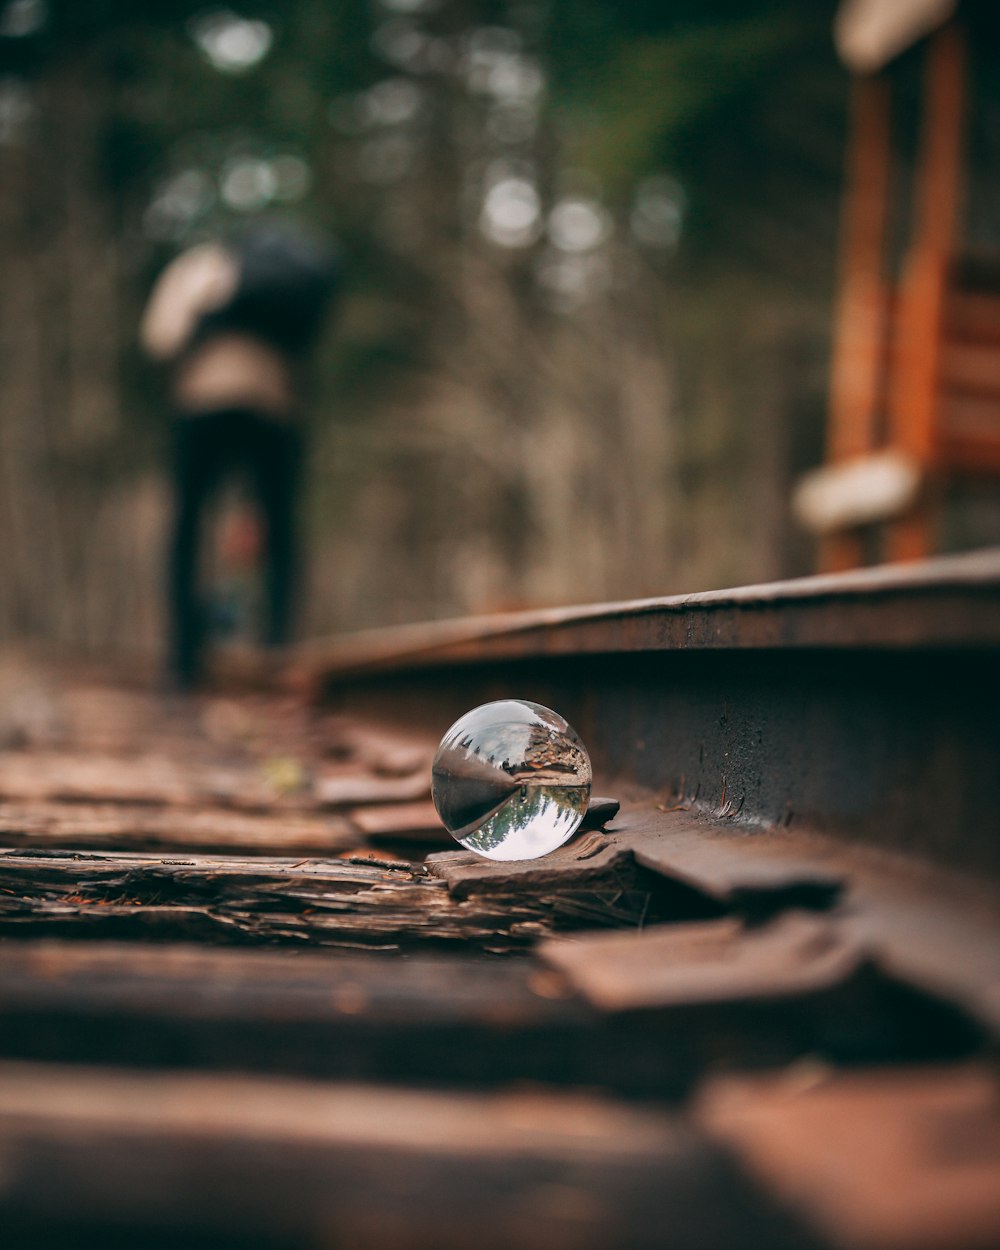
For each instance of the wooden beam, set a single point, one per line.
(914, 395)
(859, 331)
(267, 1162)
(858, 365)
(904, 1159)
(353, 903)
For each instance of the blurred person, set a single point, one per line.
(233, 322)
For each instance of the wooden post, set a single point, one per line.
(915, 392)
(858, 367)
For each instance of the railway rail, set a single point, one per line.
(250, 995)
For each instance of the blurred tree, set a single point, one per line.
(589, 250)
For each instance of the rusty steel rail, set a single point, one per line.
(244, 999)
(946, 602)
(862, 705)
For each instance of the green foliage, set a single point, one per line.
(653, 92)
(550, 806)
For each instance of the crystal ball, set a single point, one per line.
(511, 780)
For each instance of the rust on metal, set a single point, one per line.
(950, 601)
(697, 1023)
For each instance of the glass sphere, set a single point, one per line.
(511, 780)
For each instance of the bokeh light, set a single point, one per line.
(231, 43)
(511, 211)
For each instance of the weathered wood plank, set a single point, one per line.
(315, 1164)
(468, 873)
(329, 902)
(935, 929)
(451, 1019)
(363, 789)
(409, 822)
(85, 825)
(903, 1160)
(102, 826)
(448, 1019)
(150, 780)
(229, 899)
(718, 961)
(721, 863)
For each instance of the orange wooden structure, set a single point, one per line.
(916, 361)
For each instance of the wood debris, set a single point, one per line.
(223, 941)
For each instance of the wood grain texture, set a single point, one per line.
(315, 1164)
(354, 902)
(878, 1160)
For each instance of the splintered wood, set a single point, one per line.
(246, 1001)
(112, 834)
(355, 903)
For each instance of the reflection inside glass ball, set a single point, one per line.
(511, 780)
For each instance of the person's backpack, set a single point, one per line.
(287, 282)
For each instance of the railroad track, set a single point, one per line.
(249, 995)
